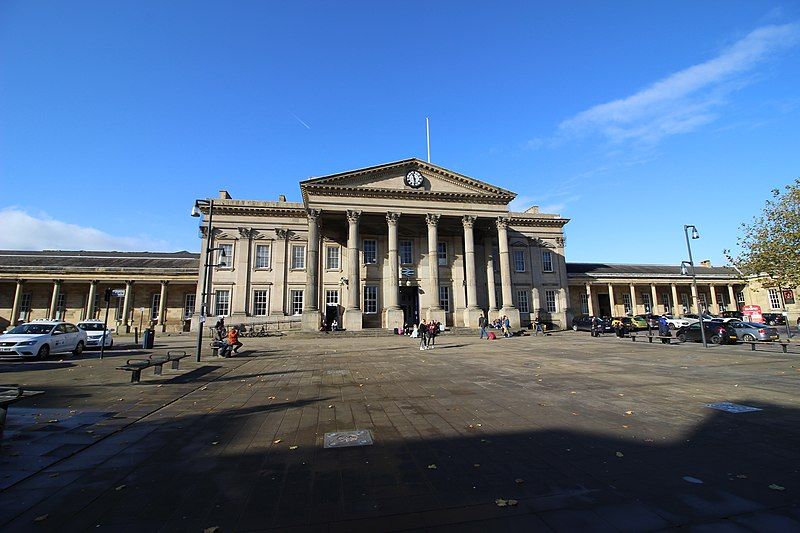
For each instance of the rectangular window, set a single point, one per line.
(332, 257)
(441, 253)
(522, 302)
(25, 307)
(703, 304)
(550, 301)
(685, 302)
(585, 304)
(646, 302)
(774, 299)
(666, 302)
(61, 306)
(723, 304)
(298, 257)
(331, 297)
(406, 252)
(444, 298)
(222, 303)
(154, 304)
(740, 298)
(370, 251)
(371, 299)
(262, 255)
(519, 261)
(118, 310)
(188, 305)
(225, 260)
(97, 305)
(260, 302)
(626, 302)
(547, 261)
(296, 300)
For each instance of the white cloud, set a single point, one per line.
(20, 230)
(685, 100)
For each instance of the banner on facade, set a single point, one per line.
(752, 313)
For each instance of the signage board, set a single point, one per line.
(752, 313)
(119, 293)
(788, 297)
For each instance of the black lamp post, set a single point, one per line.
(695, 235)
(196, 212)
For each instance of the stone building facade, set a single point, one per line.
(385, 246)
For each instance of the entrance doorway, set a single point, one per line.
(409, 301)
(331, 314)
(603, 305)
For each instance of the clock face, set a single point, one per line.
(414, 179)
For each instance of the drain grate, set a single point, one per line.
(729, 407)
(344, 439)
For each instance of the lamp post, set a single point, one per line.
(695, 235)
(196, 212)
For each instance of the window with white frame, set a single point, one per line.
(774, 299)
(519, 261)
(296, 301)
(370, 251)
(723, 304)
(225, 260)
(261, 302)
(550, 301)
(444, 298)
(262, 255)
(119, 310)
(685, 302)
(646, 303)
(298, 257)
(740, 298)
(25, 307)
(332, 260)
(61, 306)
(188, 305)
(547, 261)
(332, 297)
(154, 304)
(406, 252)
(522, 302)
(703, 304)
(441, 253)
(666, 302)
(626, 303)
(370, 299)
(584, 303)
(222, 302)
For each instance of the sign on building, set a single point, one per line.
(752, 313)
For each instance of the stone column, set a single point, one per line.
(162, 306)
(589, 299)
(17, 302)
(653, 298)
(472, 313)
(243, 269)
(353, 313)
(714, 303)
(311, 315)
(490, 287)
(279, 262)
(90, 310)
(675, 302)
(505, 273)
(435, 312)
(392, 313)
(633, 298)
(611, 301)
(54, 299)
(695, 300)
(732, 297)
(126, 306)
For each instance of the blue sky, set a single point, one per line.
(630, 118)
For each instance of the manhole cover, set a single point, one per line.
(343, 439)
(732, 407)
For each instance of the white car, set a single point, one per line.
(676, 323)
(41, 338)
(94, 333)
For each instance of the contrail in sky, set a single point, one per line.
(306, 126)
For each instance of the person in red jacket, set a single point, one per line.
(233, 340)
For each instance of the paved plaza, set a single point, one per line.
(562, 433)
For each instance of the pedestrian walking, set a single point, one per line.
(537, 326)
(482, 326)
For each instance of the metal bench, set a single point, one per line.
(136, 365)
(784, 344)
(665, 339)
(12, 395)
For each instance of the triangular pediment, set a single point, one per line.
(388, 180)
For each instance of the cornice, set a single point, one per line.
(375, 192)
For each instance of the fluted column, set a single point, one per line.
(432, 221)
(391, 296)
(589, 299)
(90, 299)
(675, 302)
(732, 297)
(653, 298)
(353, 313)
(611, 301)
(505, 273)
(162, 306)
(633, 298)
(468, 221)
(54, 299)
(126, 306)
(312, 262)
(17, 302)
(490, 285)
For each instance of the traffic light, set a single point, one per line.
(107, 296)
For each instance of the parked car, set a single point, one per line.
(584, 323)
(677, 323)
(41, 338)
(732, 314)
(774, 319)
(753, 331)
(716, 333)
(640, 322)
(94, 333)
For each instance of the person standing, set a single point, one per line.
(433, 330)
(423, 335)
(506, 326)
(537, 326)
(482, 326)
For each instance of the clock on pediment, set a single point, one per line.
(414, 179)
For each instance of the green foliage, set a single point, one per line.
(770, 244)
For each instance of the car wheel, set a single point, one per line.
(78, 348)
(682, 337)
(748, 338)
(574, 328)
(716, 339)
(43, 352)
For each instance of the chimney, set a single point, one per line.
(532, 209)
(281, 197)
(705, 263)
(224, 195)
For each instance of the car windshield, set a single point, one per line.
(91, 326)
(32, 329)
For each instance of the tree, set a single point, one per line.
(770, 244)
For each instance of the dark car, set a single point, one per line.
(732, 314)
(584, 323)
(774, 319)
(716, 333)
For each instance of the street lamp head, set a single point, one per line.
(195, 211)
(685, 268)
(222, 252)
(695, 234)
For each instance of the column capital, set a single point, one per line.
(502, 223)
(94, 282)
(313, 215)
(353, 216)
(19, 281)
(58, 281)
(432, 219)
(246, 233)
(561, 241)
(282, 233)
(392, 218)
(164, 282)
(468, 220)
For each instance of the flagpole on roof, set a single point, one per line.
(428, 136)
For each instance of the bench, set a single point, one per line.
(665, 339)
(136, 365)
(12, 395)
(784, 345)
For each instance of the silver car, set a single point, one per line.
(753, 331)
